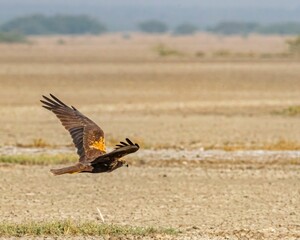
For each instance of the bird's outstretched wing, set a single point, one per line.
(121, 150)
(87, 136)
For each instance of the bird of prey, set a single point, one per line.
(89, 140)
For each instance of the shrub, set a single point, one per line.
(12, 37)
(165, 51)
(294, 45)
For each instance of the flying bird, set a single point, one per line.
(89, 140)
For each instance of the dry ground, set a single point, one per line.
(126, 87)
(259, 203)
(180, 101)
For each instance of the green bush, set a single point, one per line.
(285, 28)
(12, 37)
(294, 45)
(165, 51)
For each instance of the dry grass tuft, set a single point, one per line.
(43, 159)
(218, 163)
(222, 53)
(47, 160)
(71, 228)
(279, 145)
(165, 51)
(282, 145)
(290, 111)
(36, 143)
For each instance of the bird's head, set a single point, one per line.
(121, 150)
(123, 163)
(117, 164)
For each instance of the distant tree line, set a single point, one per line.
(81, 24)
(155, 26)
(224, 28)
(58, 24)
(245, 28)
(64, 24)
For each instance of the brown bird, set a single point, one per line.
(89, 140)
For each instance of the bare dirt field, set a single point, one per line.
(204, 202)
(239, 96)
(162, 101)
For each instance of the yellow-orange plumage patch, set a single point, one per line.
(100, 145)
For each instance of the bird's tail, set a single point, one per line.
(70, 170)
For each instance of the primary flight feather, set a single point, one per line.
(89, 140)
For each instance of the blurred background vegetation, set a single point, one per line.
(58, 24)
(39, 24)
(18, 29)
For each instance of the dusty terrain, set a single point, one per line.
(181, 102)
(203, 202)
(162, 101)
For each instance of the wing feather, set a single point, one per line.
(128, 140)
(118, 152)
(87, 136)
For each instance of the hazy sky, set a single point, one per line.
(208, 3)
(126, 14)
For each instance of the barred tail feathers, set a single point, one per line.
(70, 170)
